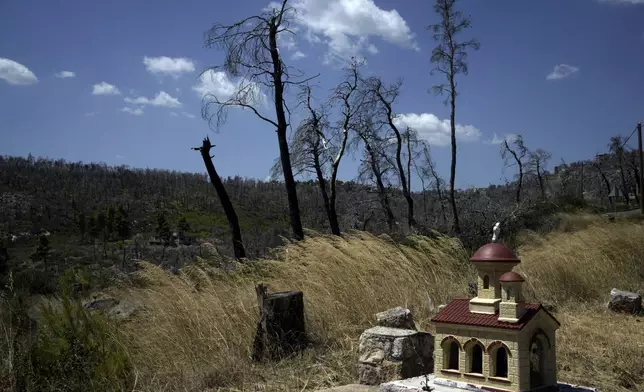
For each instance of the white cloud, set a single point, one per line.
(298, 55)
(562, 71)
(510, 137)
(104, 88)
(347, 25)
(134, 112)
(161, 99)
(91, 114)
(169, 66)
(119, 156)
(65, 74)
(219, 85)
(184, 114)
(435, 131)
(16, 73)
(623, 1)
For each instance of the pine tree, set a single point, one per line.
(42, 251)
(94, 232)
(4, 259)
(122, 225)
(163, 231)
(183, 227)
(101, 224)
(82, 225)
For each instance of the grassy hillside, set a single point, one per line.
(197, 328)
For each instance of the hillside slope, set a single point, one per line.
(197, 331)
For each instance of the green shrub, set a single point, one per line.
(77, 351)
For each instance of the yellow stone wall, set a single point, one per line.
(486, 336)
(548, 327)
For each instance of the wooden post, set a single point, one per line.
(280, 329)
(639, 150)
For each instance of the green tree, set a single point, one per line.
(4, 259)
(81, 222)
(123, 229)
(42, 251)
(183, 227)
(101, 225)
(110, 223)
(163, 231)
(94, 231)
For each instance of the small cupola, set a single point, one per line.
(512, 305)
(492, 260)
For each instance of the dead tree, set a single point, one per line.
(616, 146)
(308, 153)
(537, 161)
(517, 154)
(381, 98)
(252, 55)
(427, 170)
(450, 57)
(226, 204)
(280, 329)
(375, 166)
(346, 93)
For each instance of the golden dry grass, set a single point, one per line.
(197, 330)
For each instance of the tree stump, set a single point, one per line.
(280, 329)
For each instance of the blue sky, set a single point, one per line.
(131, 94)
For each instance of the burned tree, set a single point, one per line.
(375, 166)
(227, 205)
(515, 157)
(616, 147)
(319, 147)
(381, 98)
(351, 102)
(427, 172)
(252, 55)
(450, 57)
(537, 161)
(308, 154)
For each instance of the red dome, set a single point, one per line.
(494, 251)
(511, 276)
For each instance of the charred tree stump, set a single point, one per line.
(280, 329)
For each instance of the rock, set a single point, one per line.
(101, 303)
(387, 353)
(350, 388)
(397, 317)
(123, 311)
(625, 301)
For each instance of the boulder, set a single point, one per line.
(625, 301)
(123, 311)
(387, 354)
(101, 303)
(397, 317)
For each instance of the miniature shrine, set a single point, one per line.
(496, 341)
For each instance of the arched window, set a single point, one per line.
(537, 356)
(501, 363)
(452, 359)
(486, 282)
(508, 293)
(476, 359)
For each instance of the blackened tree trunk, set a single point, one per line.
(380, 186)
(282, 125)
(280, 330)
(227, 205)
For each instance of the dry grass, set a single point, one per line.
(198, 328)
